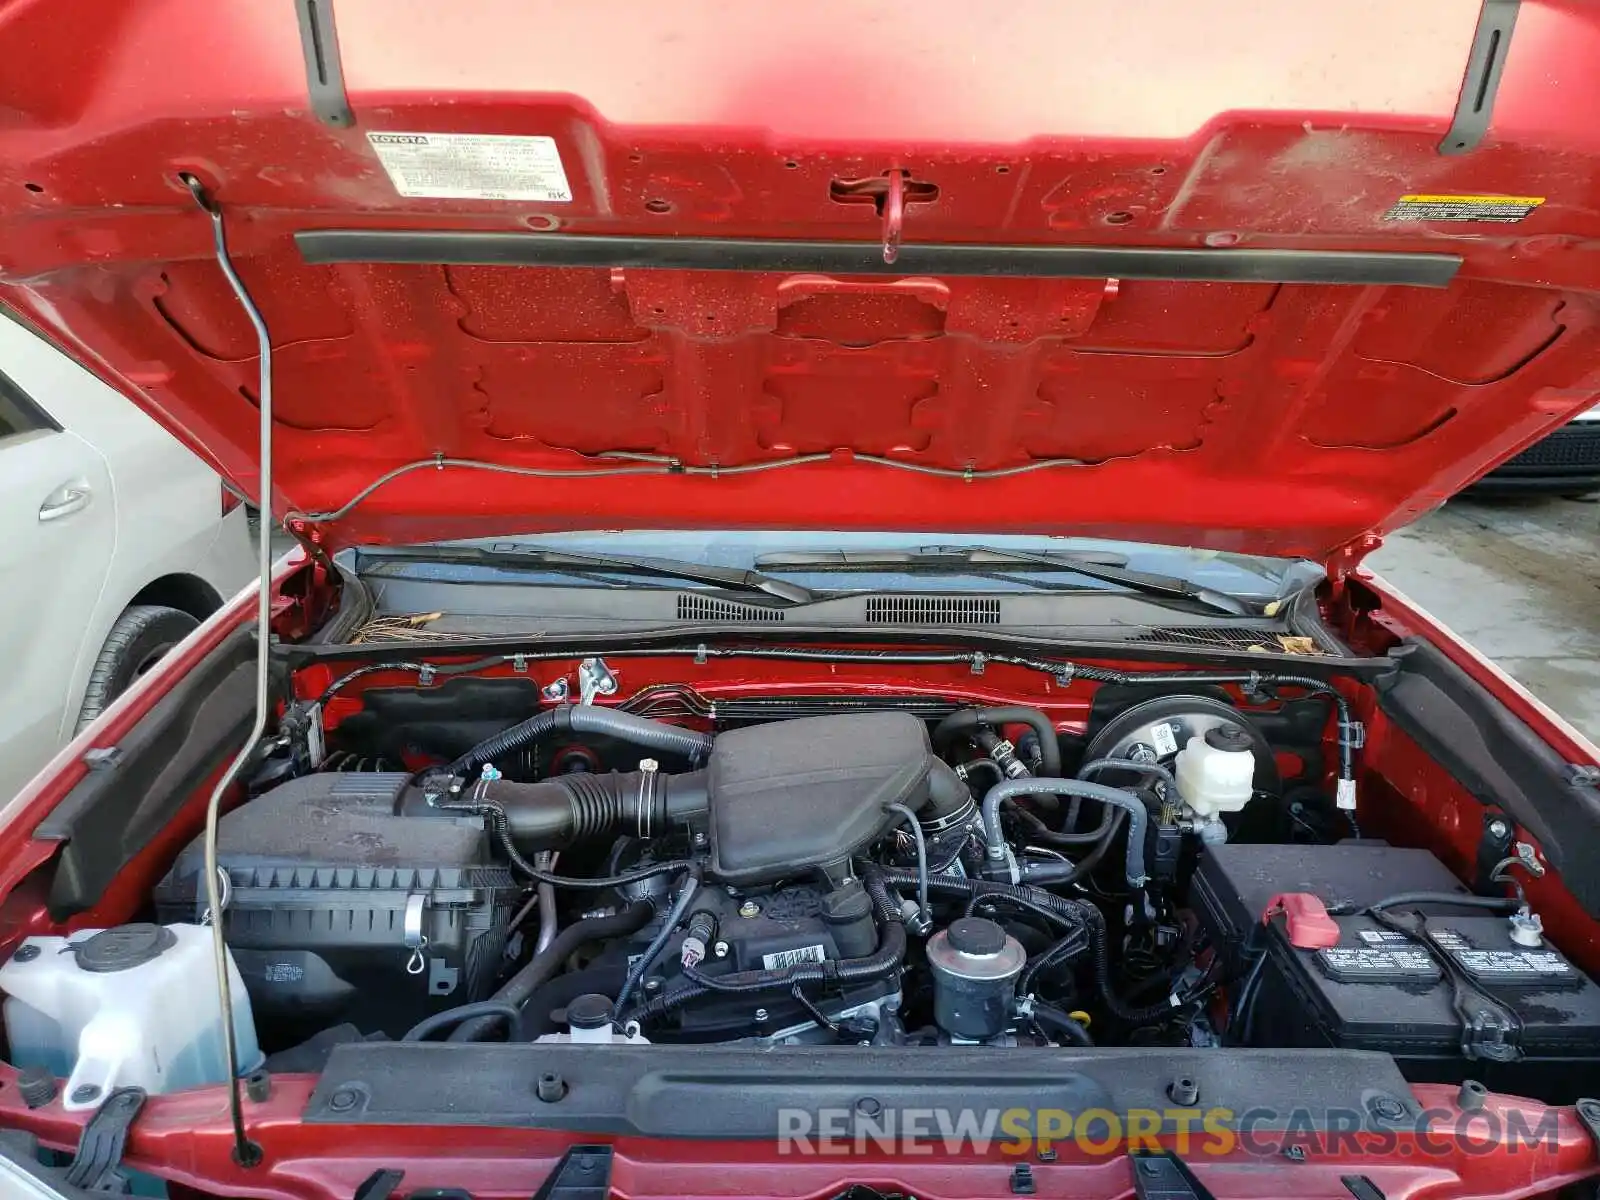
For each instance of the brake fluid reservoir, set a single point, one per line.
(1216, 771)
(135, 1005)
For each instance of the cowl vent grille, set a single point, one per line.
(1223, 638)
(933, 610)
(709, 608)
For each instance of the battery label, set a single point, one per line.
(1378, 964)
(1507, 966)
(1384, 937)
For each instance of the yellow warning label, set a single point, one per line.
(1430, 207)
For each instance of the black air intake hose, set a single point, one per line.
(948, 795)
(583, 807)
(587, 718)
(968, 719)
(579, 807)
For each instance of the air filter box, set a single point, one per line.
(339, 910)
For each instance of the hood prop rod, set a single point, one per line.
(245, 1152)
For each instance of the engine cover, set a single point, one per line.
(797, 795)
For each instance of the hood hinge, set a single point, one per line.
(1347, 558)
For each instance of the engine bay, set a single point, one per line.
(597, 851)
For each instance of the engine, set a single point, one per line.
(862, 877)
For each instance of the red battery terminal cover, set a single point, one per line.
(1305, 919)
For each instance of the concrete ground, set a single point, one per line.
(1520, 580)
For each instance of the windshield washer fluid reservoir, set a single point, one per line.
(1216, 771)
(131, 1006)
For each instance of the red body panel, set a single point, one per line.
(1293, 418)
(1247, 416)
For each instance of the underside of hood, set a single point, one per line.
(1264, 278)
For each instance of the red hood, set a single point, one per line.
(1220, 397)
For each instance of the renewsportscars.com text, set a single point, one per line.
(1438, 1132)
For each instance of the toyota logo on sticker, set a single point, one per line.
(399, 139)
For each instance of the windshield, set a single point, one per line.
(784, 554)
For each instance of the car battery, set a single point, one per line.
(339, 910)
(1443, 988)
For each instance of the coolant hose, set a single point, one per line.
(587, 718)
(1039, 832)
(1090, 769)
(542, 967)
(1051, 1018)
(967, 719)
(478, 1010)
(1055, 873)
(1138, 818)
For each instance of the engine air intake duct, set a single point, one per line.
(774, 799)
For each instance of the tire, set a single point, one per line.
(141, 635)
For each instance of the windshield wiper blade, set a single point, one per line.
(1139, 581)
(1108, 568)
(533, 558)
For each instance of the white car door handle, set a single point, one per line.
(65, 500)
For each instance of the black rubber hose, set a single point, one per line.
(542, 967)
(1058, 874)
(910, 819)
(481, 1010)
(1039, 832)
(967, 719)
(1095, 767)
(587, 718)
(675, 914)
(502, 828)
(1138, 817)
(1154, 770)
(1070, 913)
(1047, 1016)
(983, 764)
(1069, 947)
(882, 962)
(582, 807)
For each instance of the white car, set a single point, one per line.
(115, 542)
